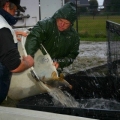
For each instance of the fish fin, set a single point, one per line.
(54, 75)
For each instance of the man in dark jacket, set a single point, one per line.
(10, 60)
(57, 35)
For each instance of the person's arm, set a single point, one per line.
(36, 36)
(26, 63)
(9, 54)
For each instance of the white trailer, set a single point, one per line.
(36, 10)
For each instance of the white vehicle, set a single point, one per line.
(36, 10)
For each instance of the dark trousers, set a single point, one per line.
(5, 78)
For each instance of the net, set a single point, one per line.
(113, 56)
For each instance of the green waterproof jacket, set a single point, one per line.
(63, 47)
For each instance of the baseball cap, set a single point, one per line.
(17, 3)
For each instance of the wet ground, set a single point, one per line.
(92, 54)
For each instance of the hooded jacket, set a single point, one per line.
(63, 46)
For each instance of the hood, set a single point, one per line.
(68, 12)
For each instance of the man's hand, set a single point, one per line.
(19, 34)
(29, 60)
(56, 64)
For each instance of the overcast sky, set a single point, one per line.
(100, 2)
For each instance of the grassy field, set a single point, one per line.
(94, 29)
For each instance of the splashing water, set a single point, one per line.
(64, 98)
(100, 103)
(59, 97)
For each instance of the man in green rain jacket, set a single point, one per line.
(57, 35)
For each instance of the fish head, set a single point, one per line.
(56, 81)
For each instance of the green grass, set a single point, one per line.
(94, 29)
